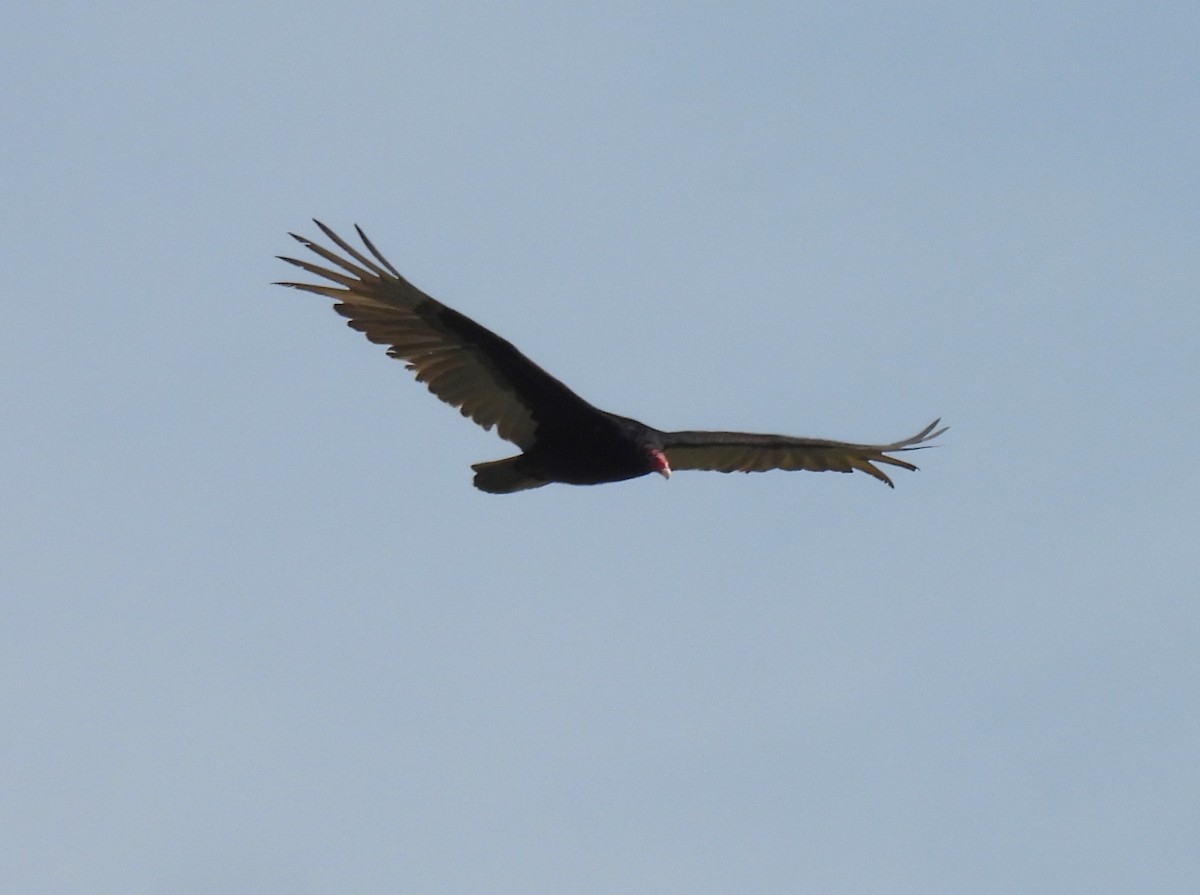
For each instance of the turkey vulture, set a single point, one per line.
(563, 438)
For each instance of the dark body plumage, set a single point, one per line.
(563, 438)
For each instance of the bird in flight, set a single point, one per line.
(562, 437)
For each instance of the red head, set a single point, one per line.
(661, 466)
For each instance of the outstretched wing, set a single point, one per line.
(464, 364)
(746, 452)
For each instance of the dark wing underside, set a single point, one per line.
(746, 452)
(464, 364)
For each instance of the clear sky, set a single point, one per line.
(260, 634)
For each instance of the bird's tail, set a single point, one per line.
(504, 476)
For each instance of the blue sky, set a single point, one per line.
(260, 633)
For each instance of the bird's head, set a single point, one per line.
(658, 462)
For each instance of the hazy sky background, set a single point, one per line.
(261, 635)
